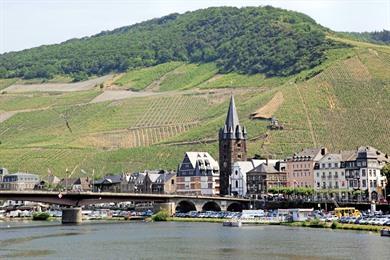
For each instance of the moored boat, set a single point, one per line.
(233, 223)
(385, 232)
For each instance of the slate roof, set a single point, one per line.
(232, 128)
(196, 157)
(264, 168)
(109, 179)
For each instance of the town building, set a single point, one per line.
(363, 172)
(110, 183)
(3, 172)
(300, 167)
(19, 181)
(232, 146)
(165, 183)
(265, 176)
(75, 184)
(238, 186)
(198, 175)
(329, 177)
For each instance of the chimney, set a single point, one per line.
(323, 150)
(266, 161)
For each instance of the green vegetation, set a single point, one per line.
(12, 102)
(235, 80)
(248, 40)
(291, 191)
(381, 37)
(40, 216)
(139, 79)
(341, 103)
(160, 216)
(5, 83)
(315, 223)
(188, 76)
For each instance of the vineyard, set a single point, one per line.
(139, 79)
(343, 103)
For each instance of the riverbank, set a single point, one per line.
(333, 225)
(311, 224)
(208, 220)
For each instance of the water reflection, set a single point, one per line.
(188, 241)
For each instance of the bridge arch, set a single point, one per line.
(211, 206)
(185, 206)
(235, 207)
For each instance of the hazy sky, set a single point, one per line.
(29, 23)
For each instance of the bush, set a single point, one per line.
(160, 216)
(334, 225)
(40, 216)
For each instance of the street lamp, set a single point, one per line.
(66, 179)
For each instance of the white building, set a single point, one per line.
(237, 180)
(370, 161)
(329, 176)
(3, 172)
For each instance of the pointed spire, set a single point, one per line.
(232, 117)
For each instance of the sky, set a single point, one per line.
(30, 23)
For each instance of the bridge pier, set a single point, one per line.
(170, 207)
(71, 216)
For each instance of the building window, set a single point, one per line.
(364, 183)
(363, 172)
(236, 184)
(323, 165)
(318, 174)
(172, 182)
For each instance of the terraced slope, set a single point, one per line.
(341, 104)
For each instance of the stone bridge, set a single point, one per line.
(172, 203)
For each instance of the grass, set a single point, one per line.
(235, 80)
(334, 225)
(5, 83)
(139, 79)
(188, 76)
(12, 102)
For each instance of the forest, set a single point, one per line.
(247, 40)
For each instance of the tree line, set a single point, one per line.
(247, 40)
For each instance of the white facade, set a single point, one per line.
(237, 178)
(329, 175)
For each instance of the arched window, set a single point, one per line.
(236, 184)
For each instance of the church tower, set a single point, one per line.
(232, 146)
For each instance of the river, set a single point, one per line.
(170, 240)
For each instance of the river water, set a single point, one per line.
(170, 240)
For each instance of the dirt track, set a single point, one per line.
(60, 87)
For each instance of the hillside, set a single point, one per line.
(147, 117)
(248, 40)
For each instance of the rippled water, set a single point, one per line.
(139, 240)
